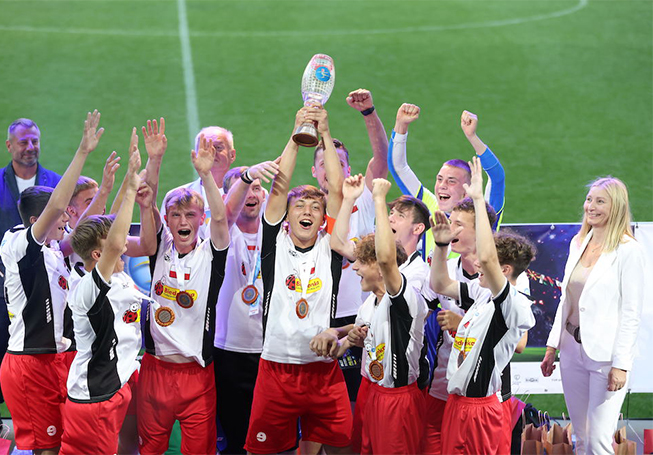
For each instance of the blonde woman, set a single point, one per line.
(597, 320)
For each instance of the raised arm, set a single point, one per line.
(99, 203)
(117, 201)
(486, 250)
(384, 242)
(114, 246)
(145, 244)
(362, 101)
(203, 162)
(156, 144)
(237, 194)
(440, 281)
(278, 199)
(332, 166)
(402, 173)
(351, 190)
(61, 195)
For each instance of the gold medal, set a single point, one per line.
(164, 316)
(249, 294)
(376, 370)
(184, 299)
(301, 308)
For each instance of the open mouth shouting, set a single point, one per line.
(184, 234)
(306, 223)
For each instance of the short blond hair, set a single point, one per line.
(83, 183)
(183, 197)
(88, 234)
(619, 218)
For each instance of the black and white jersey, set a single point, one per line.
(486, 338)
(418, 274)
(395, 336)
(238, 320)
(107, 323)
(439, 384)
(36, 286)
(361, 223)
(300, 294)
(181, 318)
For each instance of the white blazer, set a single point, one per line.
(610, 305)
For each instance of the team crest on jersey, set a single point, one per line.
(290, 282)
(243, 269)
(63, 283)
(133, 314)
(314, 285)
(158, 288)
(166, 257)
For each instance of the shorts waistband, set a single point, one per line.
(474, 400)
(394, 390)
(151, 361)
(310, 368)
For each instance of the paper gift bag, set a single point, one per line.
(622, 445)
(531, 440)
(5, 444)
(557, 440)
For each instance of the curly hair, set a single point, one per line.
(514, 250)
(366, 251)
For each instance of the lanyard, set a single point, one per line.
(180, 272)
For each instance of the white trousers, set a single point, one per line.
(594, 411)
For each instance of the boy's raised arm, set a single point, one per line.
(384, 242)
(441, 282)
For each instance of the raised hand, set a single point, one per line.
(441, 228)
(203, 158)
(468, 122)
(317, 114)
(92, 134)
(360, 99)
(155, 138)
(407, 114)
(353, 186)
(133, 178)
(380, 188)
(144, 194)
(475, 188)
(265, 171)
(109, 173)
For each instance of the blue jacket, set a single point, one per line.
(9, 216)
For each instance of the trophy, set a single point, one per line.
(317, 84)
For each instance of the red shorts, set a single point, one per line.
(393, 420)
(66, 359)
(432, 442)
(176, 391)
(507, 425)
(94, 427)
(315, 393)
(361, 399)
(32, 389)
(472, 425)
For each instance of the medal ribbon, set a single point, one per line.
(305, 270)
(181, 273)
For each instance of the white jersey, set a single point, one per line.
(196, 185)
(361, 223)
(395, 336)
(184, 290)
(291, 274)
(108, 332)
(238, 324)
(36, 286)
(418, 274)
(486, 338)
(439, 382)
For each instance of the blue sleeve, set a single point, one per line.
(492, 166)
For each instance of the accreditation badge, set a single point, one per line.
(249, 294)
(301, 308)
(164, 316)
(184, 299)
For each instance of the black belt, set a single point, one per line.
(574, 331)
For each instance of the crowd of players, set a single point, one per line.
(272, 314)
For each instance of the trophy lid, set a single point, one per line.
(318, 79)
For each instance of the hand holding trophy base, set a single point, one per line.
(317, 84)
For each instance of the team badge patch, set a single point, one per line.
(290, 282)
(164, 316)
(158, 288)
(63, 283)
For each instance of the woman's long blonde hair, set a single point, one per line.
(619, 218)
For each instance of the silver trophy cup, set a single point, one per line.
(317, 84)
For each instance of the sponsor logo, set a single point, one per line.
(380, 351)
(459, 342)
(170, 293)
(314, 285)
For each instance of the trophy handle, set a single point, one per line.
(306, 135)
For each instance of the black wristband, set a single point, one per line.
(441, 244)
(367, 112)
(246, 178)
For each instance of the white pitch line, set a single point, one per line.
(192, 115)
(296, 33)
